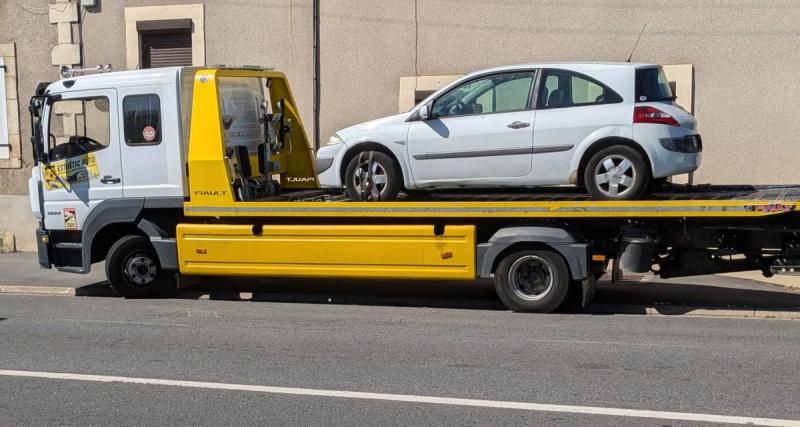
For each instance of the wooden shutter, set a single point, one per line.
(166, 49)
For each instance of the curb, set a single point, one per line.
(602, 309)
(38, 290)
(89, 291)
(691, 311)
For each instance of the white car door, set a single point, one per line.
(479, 133)
(571, 107)
(83, 157)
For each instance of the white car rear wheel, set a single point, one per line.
(616, 173)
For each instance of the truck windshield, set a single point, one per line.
(652, 85)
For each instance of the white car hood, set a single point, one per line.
(359, 132)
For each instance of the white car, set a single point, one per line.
(612, 128)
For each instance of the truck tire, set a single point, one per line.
(533, 281)
(386, 177)
(616, 173)
(133, 269)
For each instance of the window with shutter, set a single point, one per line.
(166, 49)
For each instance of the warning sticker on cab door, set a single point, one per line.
(70, 219)
(65, 173)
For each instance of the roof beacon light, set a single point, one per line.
(67, 72)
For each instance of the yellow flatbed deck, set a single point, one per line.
(677, 201)
(701, 201)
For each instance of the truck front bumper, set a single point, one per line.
(43, 248)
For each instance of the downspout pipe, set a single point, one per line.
(316, 99)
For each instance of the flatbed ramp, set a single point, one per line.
(673, 201)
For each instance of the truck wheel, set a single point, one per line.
(372, 176)
(134, 271)
(616, 173)
(534, 281)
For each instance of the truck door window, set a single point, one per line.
(142, 117)
(78, 127)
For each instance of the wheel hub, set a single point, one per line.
(370, 179)
(615, 175)
(140, 269)
(531, 278)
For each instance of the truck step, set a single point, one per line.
(68, 245)
(71, 269)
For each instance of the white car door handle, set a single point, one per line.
(518, 125)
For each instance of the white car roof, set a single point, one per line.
(616, 81)
(572, 66)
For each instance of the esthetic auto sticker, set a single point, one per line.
(70, 219)
(65, 173)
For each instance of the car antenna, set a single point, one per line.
(637, 42)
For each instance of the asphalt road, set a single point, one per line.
(715, 367)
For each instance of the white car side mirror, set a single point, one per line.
(425, 112)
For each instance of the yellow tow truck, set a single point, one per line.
(187, 171)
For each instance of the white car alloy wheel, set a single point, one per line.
(372, 176)
(615, 176)
(370, 179)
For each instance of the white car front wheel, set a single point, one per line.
(372, 176)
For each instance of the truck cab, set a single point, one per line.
(112, 155)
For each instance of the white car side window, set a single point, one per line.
(492, 94)
(567, 89)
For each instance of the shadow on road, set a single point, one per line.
(672, 298)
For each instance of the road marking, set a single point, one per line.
(121, 322)
(499, 404)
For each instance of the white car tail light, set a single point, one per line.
(647, 114)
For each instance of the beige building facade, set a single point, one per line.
(741, 56)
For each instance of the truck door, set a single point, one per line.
(82, 166)
(150, 148)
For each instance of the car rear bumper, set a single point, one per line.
(668, 162)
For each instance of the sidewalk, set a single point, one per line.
(22, 269)
(782, 280)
